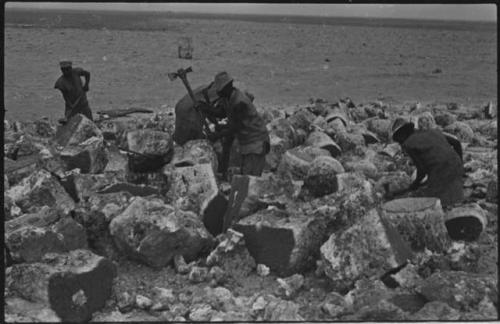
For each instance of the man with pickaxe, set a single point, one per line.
(73, 91)
(244, 123)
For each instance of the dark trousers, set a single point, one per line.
(253, 164)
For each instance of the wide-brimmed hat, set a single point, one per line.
(399, 124)
(222, 79)
(65, 64)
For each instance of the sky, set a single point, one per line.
(476, 12)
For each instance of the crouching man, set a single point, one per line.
(435, 156)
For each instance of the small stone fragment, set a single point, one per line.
(198, 274)
(263, 270)
(143, 302)
(290, 285)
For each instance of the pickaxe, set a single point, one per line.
(182, 74)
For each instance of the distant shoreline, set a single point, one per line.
(138, 20)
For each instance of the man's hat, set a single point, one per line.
(65, 64)
(222, 79)
(399, 124)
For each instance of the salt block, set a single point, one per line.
(152, 232)
(445, 118)
(24, 146)
(282, 128)
(322, 140)
(466, 222)
(369, 137)
(297, 161)
(349, 140)
(370, 247)
(321, 178)
(155, 149)
(391, 150)
(195, 152)
(16, 170)
(40, 189)
(30, 236)
(89, 156)
(460, 290)
(286, 244)
(424, 120)
(231, 256)
(461, 130)
(436, 311)
(117, 161)
(394, 181)
(77, 130)
(363, 166)
(420, 221)
(381, 127)
(302, 119)
(250, 194)
(83, 186)
(19, 310)
(195, 189)
(281, 310)
(278, 146)
(74, 284)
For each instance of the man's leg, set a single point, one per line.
(253, 164)
(87, 112)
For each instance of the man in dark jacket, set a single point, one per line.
(244, 123)
(74, 93)
(435, 156)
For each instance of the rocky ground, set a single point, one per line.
(94, 233)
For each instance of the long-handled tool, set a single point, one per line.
(73, 106)
(182, 74)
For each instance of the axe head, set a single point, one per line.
(172, 76)
(181, 73)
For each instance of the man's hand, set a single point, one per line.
(86, 88)
(415, 185)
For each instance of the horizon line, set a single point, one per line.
(451, 20)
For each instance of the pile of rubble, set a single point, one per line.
(81, 198)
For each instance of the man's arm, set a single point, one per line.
(420, 170)
(86, 75)
(457, 146)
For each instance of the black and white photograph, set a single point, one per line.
(250, 162)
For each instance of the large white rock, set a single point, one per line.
(420, 221)
(73, 285)
(297, 161)
(40, 189)
(370, 247)
(152, 232)
(194, 188)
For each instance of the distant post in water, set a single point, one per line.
(185, 49)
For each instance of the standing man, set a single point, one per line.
(437, 157)
(74, 93)
(244, 123)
